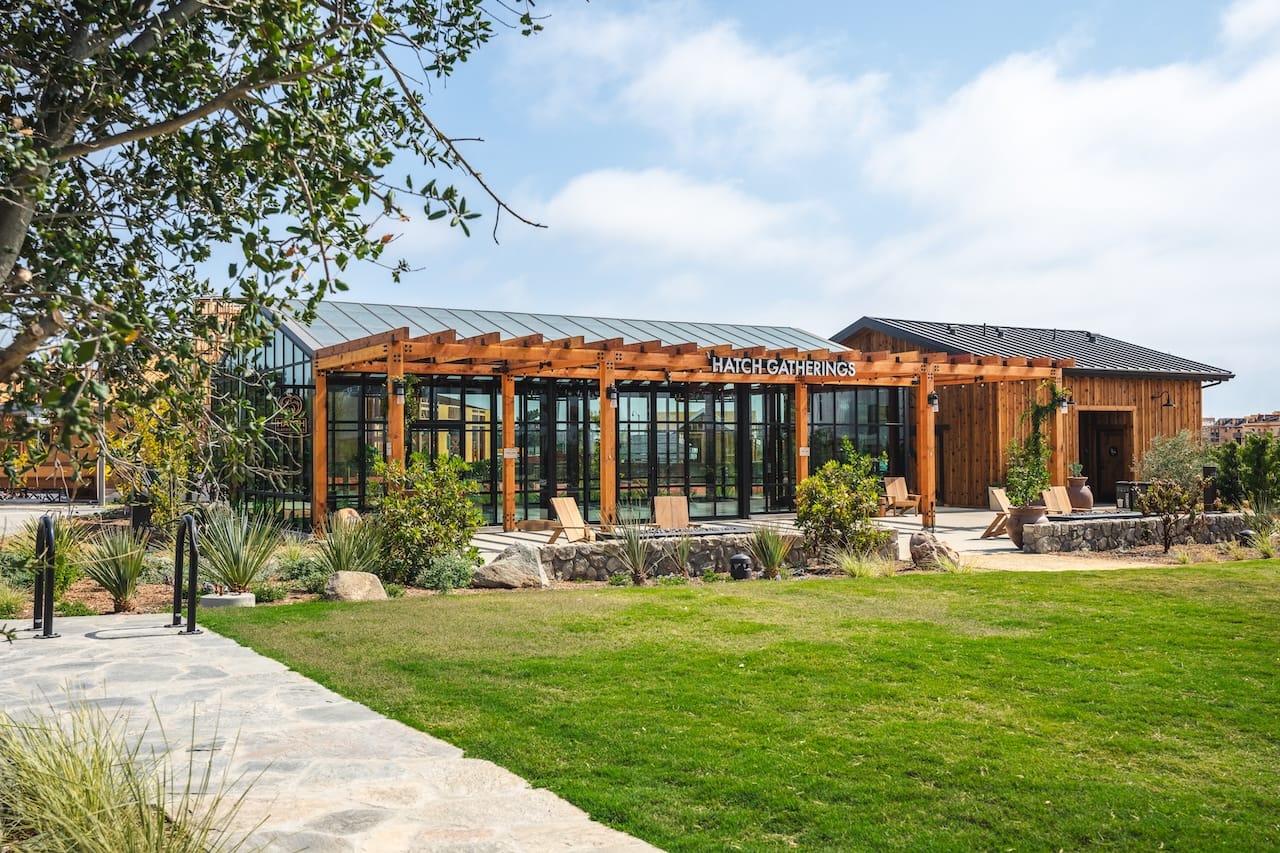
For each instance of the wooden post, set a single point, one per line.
(925, 471)
(508, 459)
(320, 452)
(802, 432)
(1058, 448)
(395, 403)
(608, 447)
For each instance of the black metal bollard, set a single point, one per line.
(187, 537)
(46, 555)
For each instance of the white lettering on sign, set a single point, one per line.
(781, 366)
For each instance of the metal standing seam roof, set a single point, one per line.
(1093, 352)
(339, 322)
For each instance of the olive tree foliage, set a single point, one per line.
(136, 135)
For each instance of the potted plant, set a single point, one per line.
(1078, 490)
(1027, 475)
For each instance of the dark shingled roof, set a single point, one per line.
(1093, 352)
(339, 322)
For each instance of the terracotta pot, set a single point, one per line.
(1079, 493)
(1020, 516)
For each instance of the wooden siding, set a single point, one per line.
(976, 422)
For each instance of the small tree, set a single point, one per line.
(425, 512)
(1180, 458)
(1230, 476)
(1027, 472)
(1174, 502)
(1260, 457)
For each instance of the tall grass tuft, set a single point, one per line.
(769, 548)
(235, 548)
(115, 559)
(860, 564)
(70, 539)
(79, 785)
(352, 546)
(633, 549)
(11, 601)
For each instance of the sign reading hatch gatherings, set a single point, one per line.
(781, 366)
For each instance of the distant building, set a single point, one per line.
(1218, 431)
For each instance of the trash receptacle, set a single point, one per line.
(140, 517)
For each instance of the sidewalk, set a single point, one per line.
(326, 774)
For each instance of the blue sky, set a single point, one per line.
(1109, 166)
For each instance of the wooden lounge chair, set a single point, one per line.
(571, 523)
(1056, 500)
(999, 503)
(898, 499)
(671, 512)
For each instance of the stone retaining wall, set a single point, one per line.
(595, 561)
(1114, 534)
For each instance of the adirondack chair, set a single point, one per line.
(671, 512)
(897, 499)
(571, 523)
(1063, 498)
(999, 503)
(1056, 501)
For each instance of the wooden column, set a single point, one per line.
(320, 452)
(508, 452)
(395, 405)
(925, 468)
(608, 448)
(802, 431)
(1058, 444)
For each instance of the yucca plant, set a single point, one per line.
(633, 548)
(769, 548)
(860, 564)
(115, 559)
(236, 548)
(351, 547)
(681, 548)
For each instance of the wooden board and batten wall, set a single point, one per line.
(1108, 429)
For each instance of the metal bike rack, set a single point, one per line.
(187, 536)
(46, 555)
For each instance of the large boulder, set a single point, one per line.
(930, 553)
(519, 566)
(354, 586)
(346, 515)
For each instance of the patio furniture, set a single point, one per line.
(671, 512)
(571, 523)
(999, 503)
(1056, 500)
(898, 499)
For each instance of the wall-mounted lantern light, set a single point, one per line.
(933, 401)
(612, 394)
(397, 388)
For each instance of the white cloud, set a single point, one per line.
(1249, 21)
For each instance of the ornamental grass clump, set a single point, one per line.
(115, 560)
(70, 538)
(860, 564)
(236, 548)
(79, 784)
(769, 549)
(350, 546)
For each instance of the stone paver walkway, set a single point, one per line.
(326, 774)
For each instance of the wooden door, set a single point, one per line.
(1110, 462)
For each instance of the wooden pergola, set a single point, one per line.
(396, 353)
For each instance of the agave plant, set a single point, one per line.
(235, 548)
(115, 559)
(769, 548)
(353, 546)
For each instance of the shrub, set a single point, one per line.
(835, 504)
(1260, 471)
(447, 571)
(1173, 502)
(860, 564)
(394, 590)
(769, 549)
(293, 560)
(1026, 471)
(69, 540)
(710, 575)
(619, 579)
(73, 608)
(672, 580)
(267, 592)
(11, 601)
(115, 560)
(350, 547)
(77, 784)
(236, 548)
(1179, 458)
(425, 512)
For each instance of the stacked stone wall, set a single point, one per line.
(1121, 533)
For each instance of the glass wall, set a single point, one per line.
(872, 418)
(357, 437)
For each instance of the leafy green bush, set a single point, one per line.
(352, 546)
(425, 512)
(293, 560)
(11, 601)
(268, 591)
(73, 608)
(1026, 471)
(769, 549)
(236, 548)
(394, 590)
(1179, 458)
(1250, 472)
(835, 504)
(672, 580)
(1174, 503)
(115, 560)
(620, 579)
(710, 575)
(447, 571)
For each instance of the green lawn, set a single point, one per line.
(1132, 709)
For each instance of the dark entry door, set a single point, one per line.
(1111, 461)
